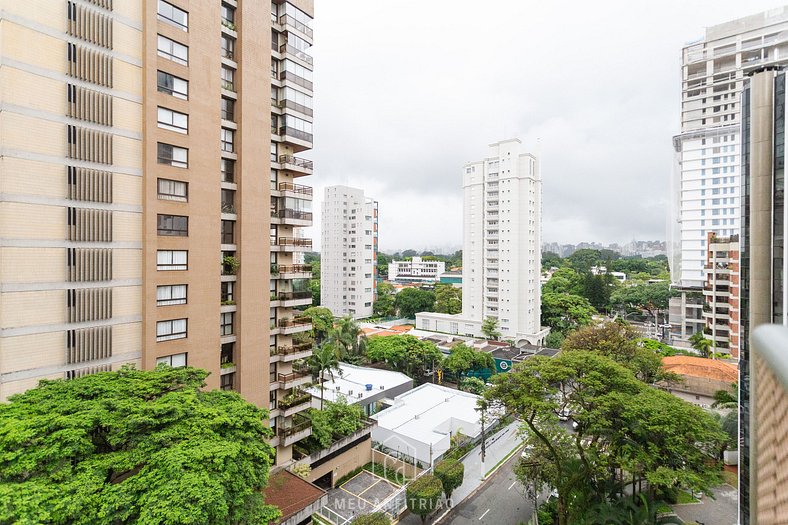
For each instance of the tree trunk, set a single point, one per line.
(322, 391)
(563, 519)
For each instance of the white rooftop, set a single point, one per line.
(430, 412)
(353, 381)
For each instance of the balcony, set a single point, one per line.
(291, 217)
(291, 271)
(290, 244)
(289, 299)
(289, 21)
(294, 325)
(287, 49)
(300, 430)
(293, 380)
(287, 76)
(294, 403)
(291, 353)
(295, 106)
(296, 138)
(296, 190)
(296, 164)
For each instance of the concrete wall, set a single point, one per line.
(356, 457)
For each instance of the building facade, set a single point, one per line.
(349, 252)
(721, 294)
(144, 228)
(416, 270)
(706, 181)
(501, 258)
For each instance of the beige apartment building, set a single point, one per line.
(136, 222)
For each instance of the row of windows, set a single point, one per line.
(173, 329)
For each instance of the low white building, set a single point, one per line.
(361, 385)
(421, 422)
(416, 270)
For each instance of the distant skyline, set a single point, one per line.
(417, 89)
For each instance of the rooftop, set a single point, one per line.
(428, 413)
(700, 367)
(290, 493)
(353, 381)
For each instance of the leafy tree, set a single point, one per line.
(384, 304)
(322, 322)
(314, 287)
(597, 289)
(133, 447)
(448, 299)
(726, 398)
(450, 472)
(554, 339)
(490, 328)
(563, 312)
(410, 301)
(337, 419)
(350, 339)
(621, 424)
(474, 385)
(564, 280)
(701, 344)
(376, 518)
(463, 359)
(423, 495)
(551, 260)
(583, 260)
(410, 253)
(325, 360)
(649, 297)
(405, 353)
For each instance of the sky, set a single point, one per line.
(408, 91)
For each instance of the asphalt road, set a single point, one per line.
(500, 501)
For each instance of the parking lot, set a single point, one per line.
(359, 495)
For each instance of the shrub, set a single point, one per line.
(423, 495)
(451, 473)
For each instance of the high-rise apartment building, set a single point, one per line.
(721, 294)
(348, 252)
(501, 258)
(706, 183)
(133, 210)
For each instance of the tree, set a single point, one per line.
(701, 344)
(448, 299)
(551, 260)
(325, 360)
(622, 424)
(133, 446)
(726, 399)
(322, 322)
(563, 312)
(423, 495)
(350, 340)
(314, 282)
(410, 301)
(490, 328)
(450, 472)
(474, 385)
(337, 419)
(376, 518)
(649, 297)
(582, 260)
(463, 359)
(564, 280)
(405, 353)
(384, 304)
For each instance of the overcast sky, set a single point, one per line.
(408, 91)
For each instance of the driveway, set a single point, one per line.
(723, 510)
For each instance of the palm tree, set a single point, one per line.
(701, 344)
(325, 359)
(351, 340)
(726, 398)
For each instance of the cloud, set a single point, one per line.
(409, 91)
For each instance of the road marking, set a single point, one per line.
(483, 515)
(512, 485)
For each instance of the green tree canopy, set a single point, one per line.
(422, 495)
(490, 328)
(322, 321)
(564, 280)
(133, 447)
(451, 473)
(474, 385)
(551, 260)
(463, 359)
(582, 260)
(376, 518)
(335, 419)
(448, 299)
(350, 339)
(410, 301)
(384, 304)
(324, 360)
(649, 297)
(405, 353)
(564, 312)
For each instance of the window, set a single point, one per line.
(173, 120)
(228, 228)
(173, 190)
(227, 381)
(174, 360)
(274, 157)
(168, 260)
(227, 293)
(228, 47)
(172, 155)
(228, 79)
(173, 15)
(172, 85)
(226, 323)
(170, 295)
(228, 109)
(226, 353)
(228, 201)
(173, 225)
(228, 170)
(174, 51)
(169, 330)
(228, 16)
(227, 140)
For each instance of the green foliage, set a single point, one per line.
(451, 473)
(583, 260)
(314, 287)
(230, 265)
(550, 260)
(490, 328)
(622, 423)
(727, 398)
(322, 321)
(404, 353)
(133, 447)
(701, 344)
(563, 312)
(410, 301)
(324, 360)
(564, 280)
(554, 340)
(350, 339)
(649, 297)
(463, 359)
(474, 385)
(376, 518)
(730, 425)
(448, 299)
(423, 495)
(384, 304)
(335, 420)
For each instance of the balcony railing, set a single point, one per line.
(290, 350)
(295, 188)
(286, 433)
(288, 49)
(295, 106)
(290, 241)
(295, 79)
(295, 321)
(296, 133)
(292, 377)
(291, 268)
(294, 296)
(287, 20)
(288, 213)
(296, 161)
(299, 398)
